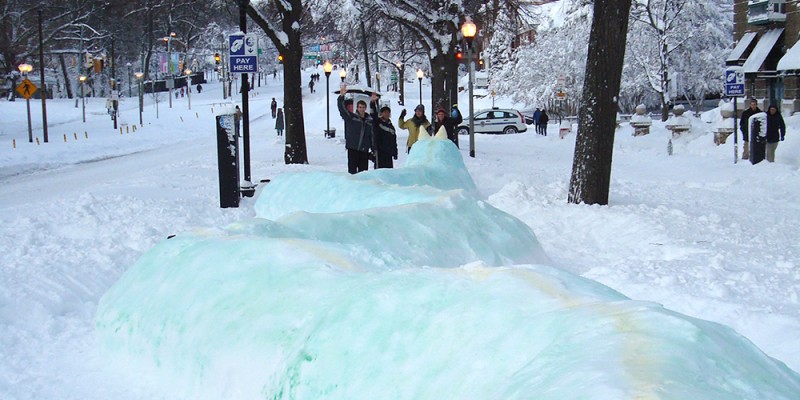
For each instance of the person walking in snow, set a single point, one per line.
(776, 130)
(416, 124)
(744, 126)
(543, 119)
(357, 133)
(537, 115)
(383, 134)
(449, 124)
(279, 122)
(273, 107)
(311, 85)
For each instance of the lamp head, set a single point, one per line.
(420, 74)
(138, 75)
(468, 29)
(343, 73)
(82, 78)
(328, 67)
(25, 68)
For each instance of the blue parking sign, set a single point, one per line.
(734, 82)
(243, 52)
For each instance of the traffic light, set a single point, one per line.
(280, 58)
(459, 54)
(216, 58)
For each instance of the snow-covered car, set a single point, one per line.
(495, 120)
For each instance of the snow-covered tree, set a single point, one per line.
(665, 33)
(591, 168)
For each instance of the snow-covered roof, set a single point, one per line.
(791, 60)
(765, 44)
(742, 46)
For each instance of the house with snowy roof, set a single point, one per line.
(766, 47)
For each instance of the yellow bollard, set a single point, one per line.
(14, 143)
(134, 128)
(127, 129)
(120, 130)
(37, 140)
(65, 138)
(86, 134)
(75, 134)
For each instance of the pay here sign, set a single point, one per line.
(243, 51)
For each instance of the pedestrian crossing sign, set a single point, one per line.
(26, 89)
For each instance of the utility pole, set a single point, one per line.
(43, 92)
(245, 105)
(114, 102)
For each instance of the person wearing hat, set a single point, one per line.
(416, 124)
(357, 133)
(450, 125)
(383, 135)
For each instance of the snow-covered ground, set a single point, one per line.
(693, 231)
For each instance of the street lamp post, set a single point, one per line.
(24, 69)
(400, 82)
(139, 77)
(343, 73)
(170, 77)
(82, 78)
(328, 67)
(188, 73)
(378, 80)
(130, 92)
(468, 30)
(420, 74)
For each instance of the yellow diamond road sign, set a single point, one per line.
(26, 88)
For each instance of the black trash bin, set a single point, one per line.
(228, 161)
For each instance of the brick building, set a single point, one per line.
(767, 49)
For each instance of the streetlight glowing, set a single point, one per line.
(25, 68)
(82, 78)
(343, 73)
(468, 29)
(328, 67)
(187, 71)
(420, 74)
(138, 75)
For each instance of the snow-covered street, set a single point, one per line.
(693, 231)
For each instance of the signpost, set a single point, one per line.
(26, 90)
(243, 51)
(734, 87)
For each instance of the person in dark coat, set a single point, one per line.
(273, 107)
(776, 130)
(449, 124)
(383, 135)
(537, 115)
(279, 122)
(744, 126)
(357, 134)
(543, 119)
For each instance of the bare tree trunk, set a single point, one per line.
(591, 168)
(295, 152)
(438, 77)
(64, 71)
(366, 54)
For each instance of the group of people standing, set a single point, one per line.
(372, 136)
(540, 120)
(775, 130)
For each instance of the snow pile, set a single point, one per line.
(342, 293)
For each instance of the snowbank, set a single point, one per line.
(343, 296)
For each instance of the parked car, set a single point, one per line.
(495, 120)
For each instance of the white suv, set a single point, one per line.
(496, 120)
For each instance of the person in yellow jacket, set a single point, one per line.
(416, 125)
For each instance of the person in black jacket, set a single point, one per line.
(449, 124)
(543, 120)
(357, 134)
(776, 130)
(383, 135)
(744, 126)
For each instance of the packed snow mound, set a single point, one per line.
(422, 293)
